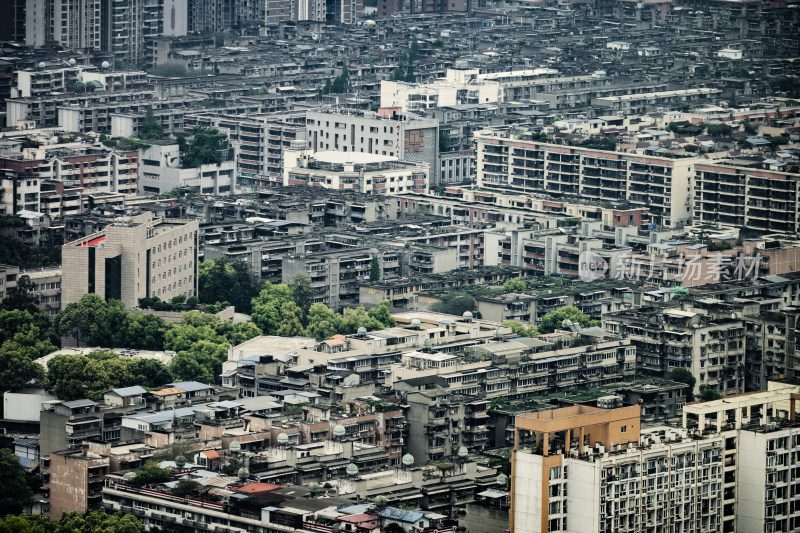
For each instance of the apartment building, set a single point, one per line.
(761, 435)
(161, 171)
(66, 181)
(641, 104)
(598, 470)
(728, 468)
(760, 199)
(261, 141)
(45, 285)
(458, 87)
(154, 257)
(335, 276)
(356, 171)
(388, 133)
(73, 481)
(507, 161)
(712, 348)
(44, 109)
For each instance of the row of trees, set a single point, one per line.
(25, 335)
(286, 310)
(201, 343)
(95, 522)
(75, 376)
(552, 321)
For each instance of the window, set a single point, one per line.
(624, 429)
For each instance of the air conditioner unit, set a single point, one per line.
(187, 516)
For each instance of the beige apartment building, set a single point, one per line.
(761, 199)
(133, 258)
(508, 160)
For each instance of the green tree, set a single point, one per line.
(231, 281)
(718, 130)
(27, 524)
(170, 70)
(150, 373)
(15, 252)
(219, 39)
(374, 269)
(98, 522)
(302, 294)
(748, 128)
(15, 494)
(206, 147)
(683, 375)
(147, 331)
(514, 285)
(454, 303)
(184, 337)
(708, 394)
(352, 319)
(520, 329)
(413, 50)
(553, 320)
(291, 323)
(323, 323)
(201, 362)
(21, 297)
(151, 128)
(382, 315)
(149, 474)
(267, 307)
(78, 318)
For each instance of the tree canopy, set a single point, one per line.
(514, 285)
(95, 522)
(205, 148)
(24, 337)
(15, 494)
(151, 128)
(552, 320)
(76, 376)
(230, 281)
(454, 303)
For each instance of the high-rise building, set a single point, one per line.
(153, 257)
(511, 161)
(731, 467)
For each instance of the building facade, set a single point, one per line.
(154, 257)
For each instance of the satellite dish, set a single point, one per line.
(72, 62)
(408, 459)
(352, 470)
(106, 64)
(313, 488)
(42, 64)
(338, 431)
(467, 315)
(381, 501)
(235, 447)
(462, 452)
(283, 438)
(498, 334)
